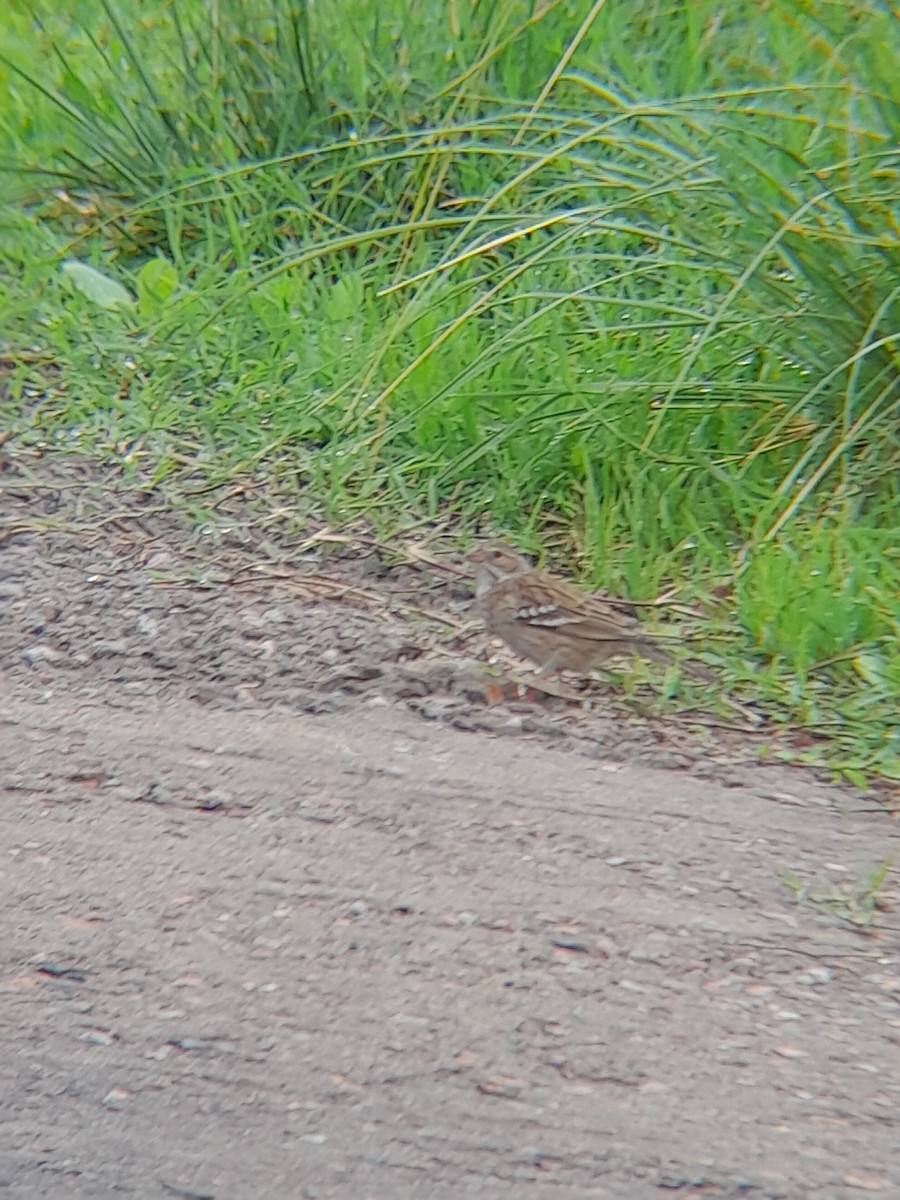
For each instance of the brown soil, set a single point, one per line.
(271, 934)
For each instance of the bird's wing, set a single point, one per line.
(564, 608)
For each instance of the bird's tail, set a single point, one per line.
(659, 653)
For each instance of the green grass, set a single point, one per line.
(621, 284)
(855, 900)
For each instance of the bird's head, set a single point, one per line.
(495, 561)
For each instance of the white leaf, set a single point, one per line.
(106, 292)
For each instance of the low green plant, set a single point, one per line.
(857, 901)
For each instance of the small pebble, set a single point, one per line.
(115, 1097)
(97, 1037)
(37, 654)
(816, 975)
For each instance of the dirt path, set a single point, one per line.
(269, 934)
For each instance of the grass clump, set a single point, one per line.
(621, 282)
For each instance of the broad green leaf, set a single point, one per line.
(157, 280)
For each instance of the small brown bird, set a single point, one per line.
(550, 621)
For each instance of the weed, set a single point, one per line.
(858, 901)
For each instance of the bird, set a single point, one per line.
(551, 622)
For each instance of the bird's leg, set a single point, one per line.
(551, 664)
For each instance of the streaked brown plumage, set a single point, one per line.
(550, 621)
